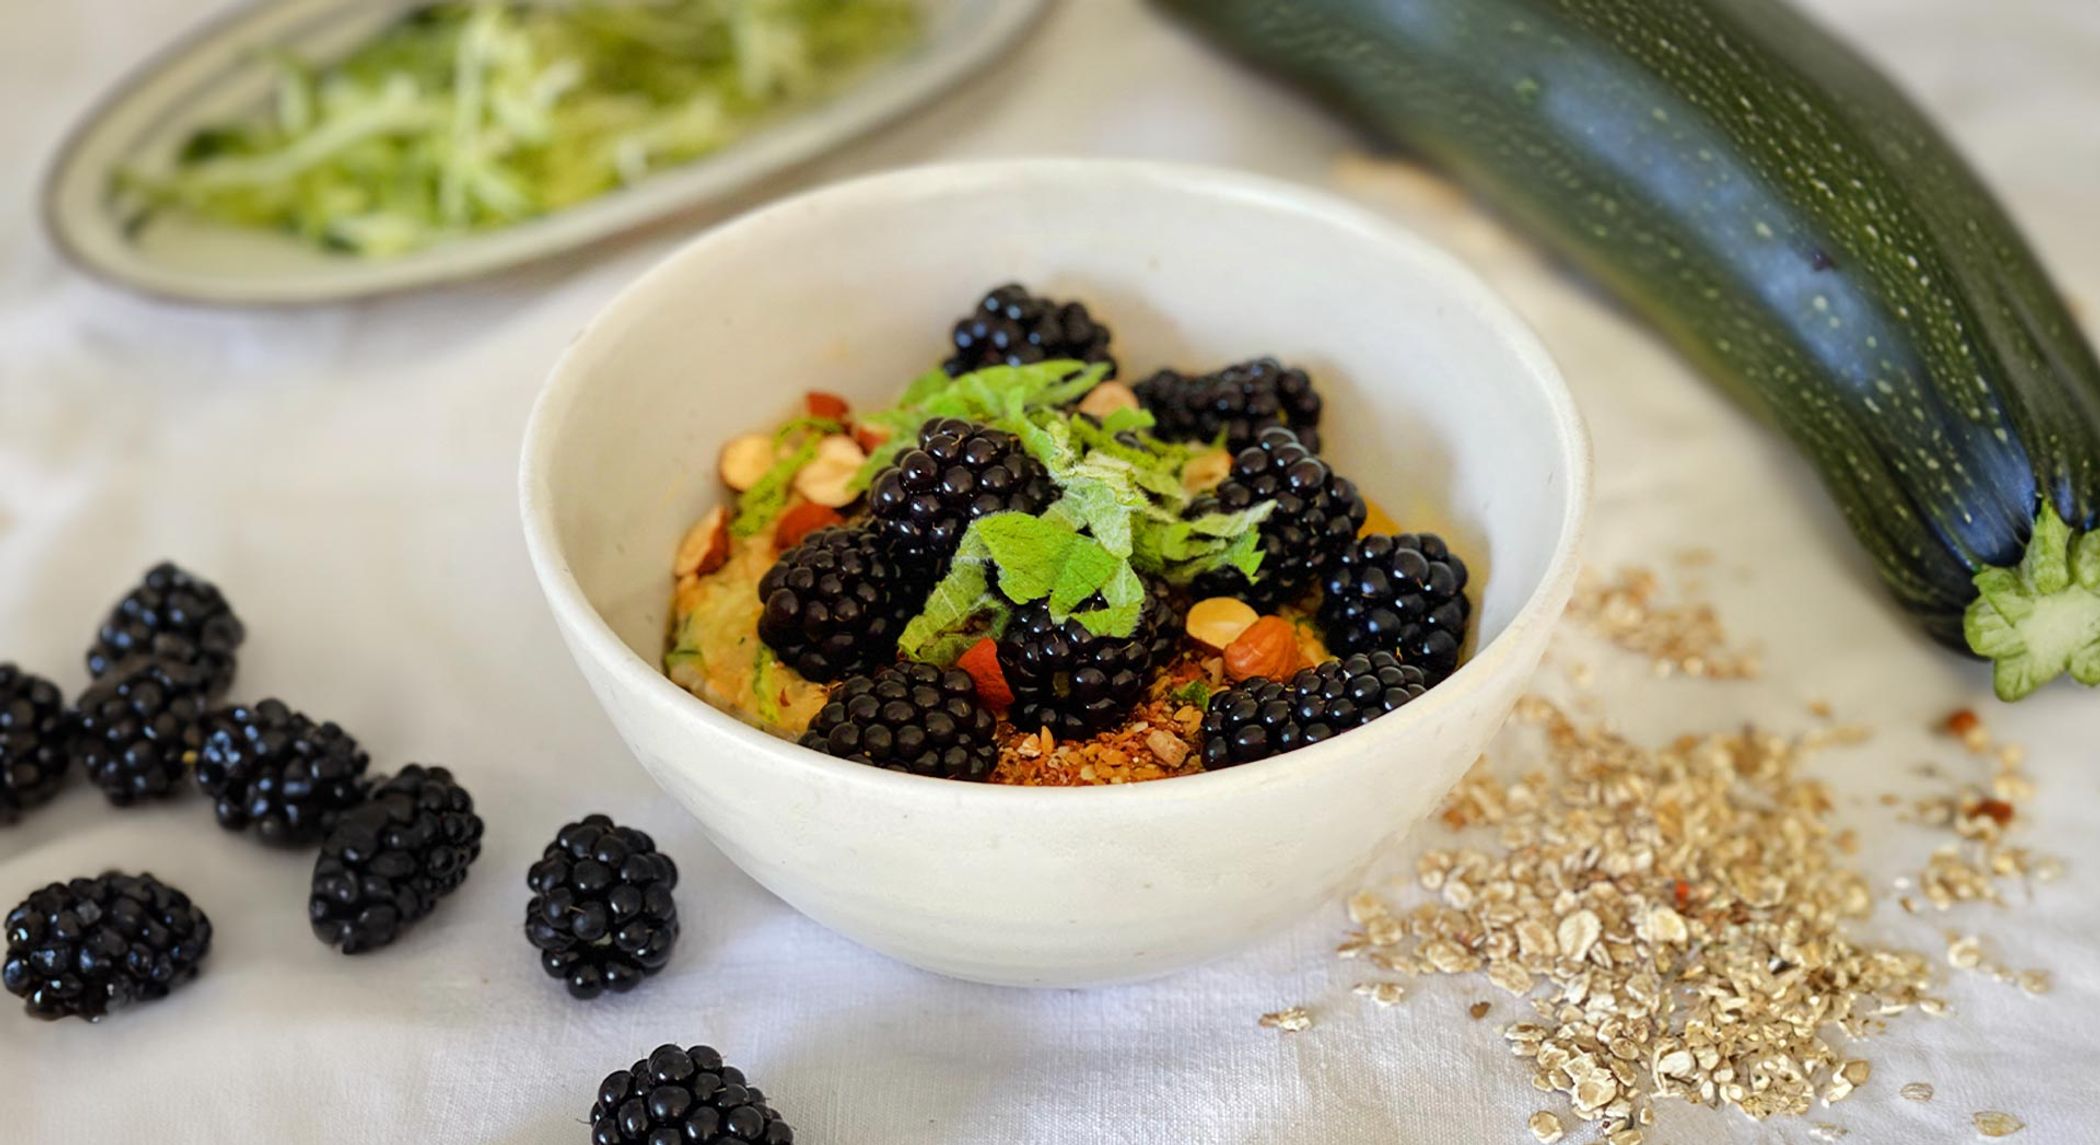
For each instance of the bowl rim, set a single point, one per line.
(591, 635)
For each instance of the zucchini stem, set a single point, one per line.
(2041, 618)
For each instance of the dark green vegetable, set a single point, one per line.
(1798, 229)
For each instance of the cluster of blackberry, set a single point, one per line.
(142, 729)
(601, 913)
(684, 1097)
(1233, 405)
(1011, 327)
(83, 947)
(1315, 515)
(1075, 682)
(1261, 718)
(389, 849)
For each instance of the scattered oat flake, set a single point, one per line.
(2036, 982)
(1964, 951)
(1383, 993)
(1365, 906)
(1545, 1127)
(1991, 1123)
(1825, 1131)
(1628, 1136)
(1920, 1091)
(1685, 639)
(1290, 1021)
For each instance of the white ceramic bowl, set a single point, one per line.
(1441, 405)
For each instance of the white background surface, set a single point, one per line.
(347, 476)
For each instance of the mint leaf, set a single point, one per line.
(1154, 465)
(1182, 549)
(1041, 557)
(1087, 568)
(999, 396)
(1127, 419)
(1125, 605)
(961, 609)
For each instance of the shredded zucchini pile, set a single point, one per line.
(464, 117)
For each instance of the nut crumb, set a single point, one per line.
(1478, 1010)
(1290, 1021)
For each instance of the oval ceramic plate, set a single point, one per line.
(214, 74)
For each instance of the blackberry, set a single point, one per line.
(684, 1097)
(1012, 327)
(171, 610)
(388, 861)
(601, 912)
(1404, 594)
(1261, 718)
(909, 717)
(1163, 636)
(1078, 684)
(1237, 402)
(835, 603)
(960, 471)
(134, 729)
(272, 768)
(1317, 514)
(32, 742)
(81, 948)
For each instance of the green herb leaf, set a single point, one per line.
(1196, 691)
(961, 610)
(1182, 549)
(999, 396)
(1041, 557)
(1124, 595)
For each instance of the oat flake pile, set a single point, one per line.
(1680, 918)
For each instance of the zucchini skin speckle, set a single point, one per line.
(1785, 216)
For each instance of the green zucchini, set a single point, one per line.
(1796, 227)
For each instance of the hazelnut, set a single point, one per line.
(705, 547)
(825, 405)
(1268, 648)
(745, 459)
(1107, 398)
(1218, 621)
(802, 520)
(828, 478)
(869, 437)
(1206, 471)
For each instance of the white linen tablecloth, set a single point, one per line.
(347, 475)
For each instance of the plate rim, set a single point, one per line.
(915, 86)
